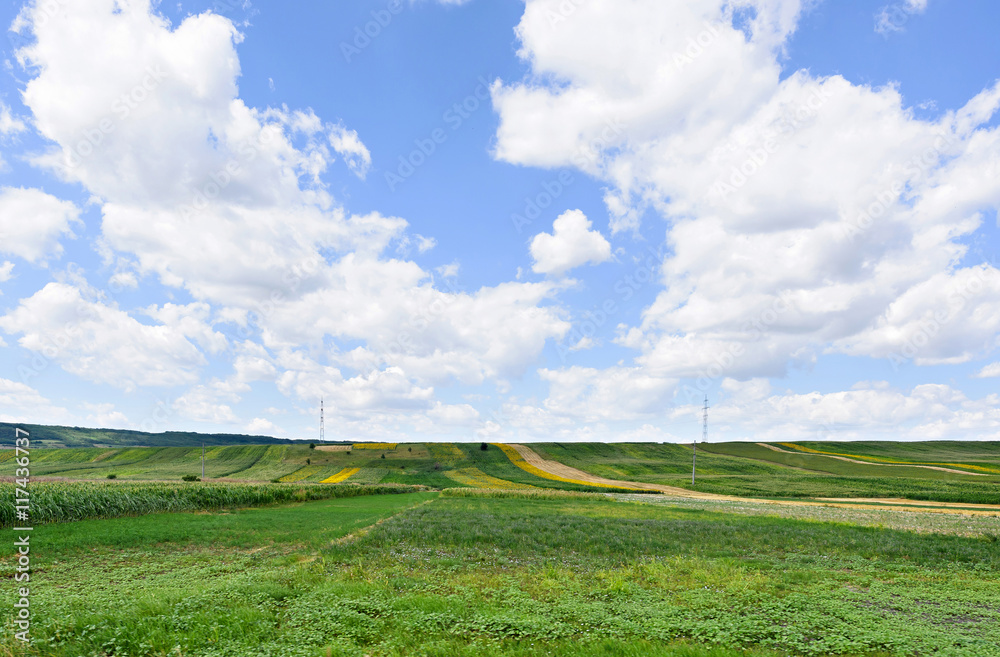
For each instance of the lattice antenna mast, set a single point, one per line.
(704, 438)
(322, 427)
(704, 422)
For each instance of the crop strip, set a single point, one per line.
(341, 476)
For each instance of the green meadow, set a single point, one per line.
(471, 573)
(452, 550)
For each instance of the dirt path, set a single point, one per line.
(887, 504)
(888, 465)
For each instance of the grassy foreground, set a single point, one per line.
(509, 574)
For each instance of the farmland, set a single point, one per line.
(442, 549)
(506, 573)
(943, 472)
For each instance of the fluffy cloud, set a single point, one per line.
(229, 203)
(9, 124)
(990, 371)
(617, 393)
(893, 18)
(31, 223)
(20, 402)
(101, 343)
(106, 417)
(571, 244)
(5, 271)
(349, 146)
(926, 412)
(805, 214)
(261, 427)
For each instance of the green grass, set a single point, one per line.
(647, 461)
(544, 573)
(981, 490)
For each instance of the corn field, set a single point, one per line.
(62, 502)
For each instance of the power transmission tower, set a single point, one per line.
(704, 438)
(322, 428)
(704, 422)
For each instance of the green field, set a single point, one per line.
(408, 557)
(884, 470)
(750, 470)
(473, 573)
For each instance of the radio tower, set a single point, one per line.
(704, 422)
(704, 438)
(322, 429)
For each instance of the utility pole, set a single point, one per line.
(322, 429)
(203, 461)
(694, 459)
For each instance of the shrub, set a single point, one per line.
(308, 461)
(483, 446)
(312, 445)
(112, 476)
(191, 478)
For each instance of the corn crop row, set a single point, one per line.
(63, 501)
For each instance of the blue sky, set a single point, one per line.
(505, 220)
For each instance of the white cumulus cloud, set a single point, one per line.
(32, 222)
(572, 243)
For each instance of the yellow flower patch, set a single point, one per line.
(519, 461)
(341, 476)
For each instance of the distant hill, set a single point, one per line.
(46, 436)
